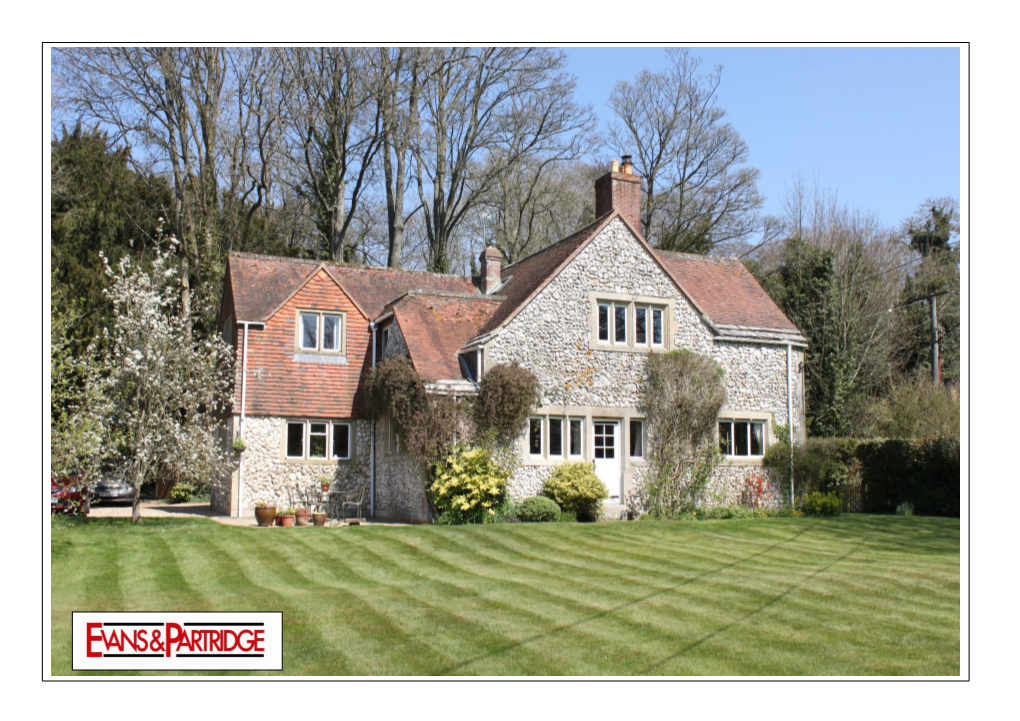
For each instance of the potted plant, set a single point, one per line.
(302, 515)
(324, 482)
(319, 519)
(264, 513)
(239, 444)
(285, 518)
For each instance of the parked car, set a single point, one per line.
(69, 494)
(113, 489)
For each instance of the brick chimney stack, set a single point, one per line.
(620, 189)
(490, 261)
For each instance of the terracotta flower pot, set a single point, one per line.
(325, 488)
(285, 521)
(319, 519)
(265, 516)
(302, 517)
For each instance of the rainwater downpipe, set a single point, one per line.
(789, 409)
(371, 473)
(240, 428)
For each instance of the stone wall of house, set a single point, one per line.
(399, 484)
(552, 336)
(268, 477)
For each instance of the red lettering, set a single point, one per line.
(259, 640)
(142, 640)
(89, 638)
(229, 636)
(245, 646)
(216, 644)
(171, 636)
(114, 641)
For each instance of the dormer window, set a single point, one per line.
(320, 332)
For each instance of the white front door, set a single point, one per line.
(608, 466)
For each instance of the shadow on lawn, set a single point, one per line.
(453, 670)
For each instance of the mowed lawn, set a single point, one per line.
(857, 595)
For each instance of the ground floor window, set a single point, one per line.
(318, 440)
(742, 439)
(637, 438)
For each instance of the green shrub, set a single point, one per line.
(823, 465)
(506, 397)
(568, 517)
(926, 472)
(181, 493)
(508, 512)
(822, 504)
(575, 487)
(905, 509)
(539, 509)
(467, 486)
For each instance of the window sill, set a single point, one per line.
(743, 460)
(325, 358)
(317, 461)
(622, 348)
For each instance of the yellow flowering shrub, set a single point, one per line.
(468, 485)
(576, 488)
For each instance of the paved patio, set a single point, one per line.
(162, 509)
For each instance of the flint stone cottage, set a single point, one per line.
(583, 315)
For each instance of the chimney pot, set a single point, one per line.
(615, 166)
(621, 192)
(489, 267)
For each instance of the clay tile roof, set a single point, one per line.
(523, 279)
(260, 283)
(435, 327)
(726, 291)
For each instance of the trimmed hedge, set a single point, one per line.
(923, 472)
(539, 509)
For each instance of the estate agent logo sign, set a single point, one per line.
(177, 641)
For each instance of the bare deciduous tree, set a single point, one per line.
(336, 129)
(482, 111)
(699, 192)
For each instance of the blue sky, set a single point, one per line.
(881, 126)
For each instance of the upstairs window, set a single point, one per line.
(320, 332)
(630, 325)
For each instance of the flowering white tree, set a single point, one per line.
(168, 389)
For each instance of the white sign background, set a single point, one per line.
(271, 660)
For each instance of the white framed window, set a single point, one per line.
(637, 438)
(317, 440)
(320, 332)
(296, 439)
(576, 438)
(556, 445)
(318, 434)
(341, 441)
(603, 321)
(742, 438)
(619, 324)
(638, 324)
(535, 436)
